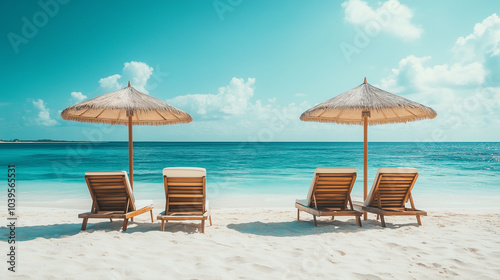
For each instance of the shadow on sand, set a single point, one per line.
(278, 229)
(302, 227)
(26, 233)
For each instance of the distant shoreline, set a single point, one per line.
(38, 141)
(265, 142)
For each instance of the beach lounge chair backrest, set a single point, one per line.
(185, 190)
(110, 191)
(331, 187)
(392, 188)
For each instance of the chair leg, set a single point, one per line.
(151, 216)
(378, 217)
(365, 216)
(162, 225)
(358, 221)
(210, 219)
(111, 220)
(132, 219)
(298, 214)
(125, 223)
(333, 218)
(418, 220)
(382, 220)
(203, 226)
(84, 223)
(314, 218)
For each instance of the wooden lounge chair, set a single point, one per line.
(112, 197)
(390, 192)
(330, 194)
(185, 194)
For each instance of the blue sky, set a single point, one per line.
(246, 70)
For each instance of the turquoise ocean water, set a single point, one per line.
(54, 171)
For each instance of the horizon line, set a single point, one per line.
(188, 141)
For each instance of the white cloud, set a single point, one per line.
(483, 46)
(391, 17)
(476, 62)
(44, 114)
(77, 97)
(415, 74)
(232, 99)
(138, 73)
(484, 41)
(465, 91)
(232, 114)
(111, 82)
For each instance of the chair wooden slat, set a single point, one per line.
(389, 195)
(111, 198)
(184, 196)
(331, 196)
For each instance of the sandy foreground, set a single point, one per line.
(259, 243)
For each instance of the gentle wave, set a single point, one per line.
(255, 168)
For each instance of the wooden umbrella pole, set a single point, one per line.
(365, 160)
(130, 152)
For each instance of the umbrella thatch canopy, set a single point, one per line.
(116, 108)
(383, 107)
(126, 106)
(368, 105)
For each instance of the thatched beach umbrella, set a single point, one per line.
(367, 105)
(126, 106)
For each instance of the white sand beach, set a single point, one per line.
(258, 243)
